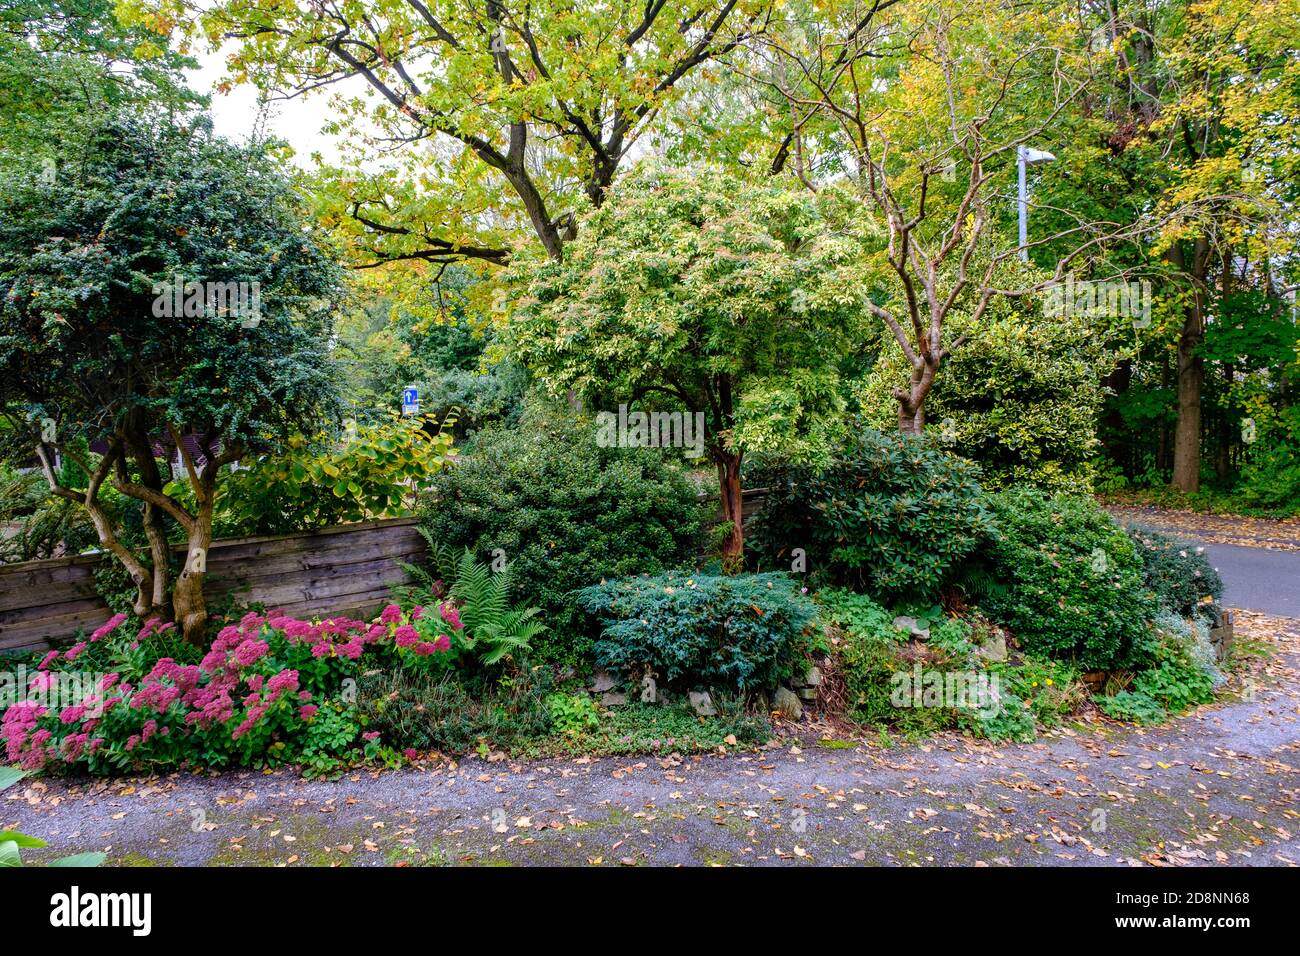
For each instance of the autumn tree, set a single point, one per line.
(925, 106)
(517, 115)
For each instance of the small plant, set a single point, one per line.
(1051, 688)
(12, 843)
(1176, 682)
(437, 711)
(574, 715)
(478, 615)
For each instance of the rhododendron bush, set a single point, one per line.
(271, 689)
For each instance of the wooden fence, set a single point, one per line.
(342, 570)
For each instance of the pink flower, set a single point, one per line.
(74, 651)
(251, 651)
(443, 643)
(406, 636)
(370, 735)
(111, 625)
(47, 660)
(417, 612)
(307, 711)
(451, 615)
(424, 649)
(391, 614)
(410, 753)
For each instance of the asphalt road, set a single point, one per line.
(1258, 579)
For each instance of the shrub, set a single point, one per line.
(890, 513)
(1021, 398)
(324, 481)
(1178, 572)
(1073, 580)
(564, 512)
(698, 631)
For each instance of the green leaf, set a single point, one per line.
(10, 776)
(9, 854)
(22, 839)
(80, 860)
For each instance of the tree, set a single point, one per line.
(720, 298)
(73, 57)
(1202, 100)
(125, 334)
(530, 108)
(924, 107)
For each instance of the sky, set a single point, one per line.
(235, 114)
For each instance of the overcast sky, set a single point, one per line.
(234, 114)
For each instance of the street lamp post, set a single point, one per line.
(1026, 157)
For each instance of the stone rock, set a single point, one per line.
(908, 625)
(613, 700)
(1221, 637)
(604, 682)
(702, 703)
(649, 690)
(787, 704)
(808, 693)
(994, 647)
(762, 703)
(813, 677)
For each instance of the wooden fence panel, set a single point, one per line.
(341, 570)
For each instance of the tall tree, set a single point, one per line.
(924, 106)
(1205, 94)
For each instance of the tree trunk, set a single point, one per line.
(1223, 461)
(1191, 379)
(733, 548)
(191, 610)
(911, 403)
(152, 601)
(1191, 369)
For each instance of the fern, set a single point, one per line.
(491, 625)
